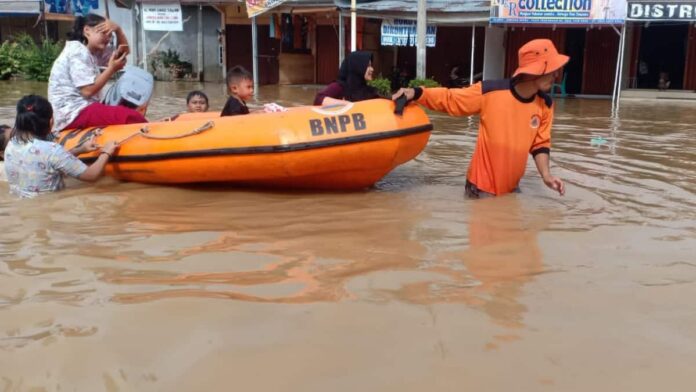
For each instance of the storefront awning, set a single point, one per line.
(20, 7)
(299, 6)
(411, 6)
(439, 12)
(192, 2)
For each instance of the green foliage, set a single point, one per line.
(23, 57)
(382, 85)
(429, 82)
(171, 60)
(36, 61)
(9, 60)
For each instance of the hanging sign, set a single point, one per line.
(162, 17)
(576, 12)
(400, 32)
(653, 10)
(74, 7)
(256, 7)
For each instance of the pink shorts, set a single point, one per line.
(99, 115)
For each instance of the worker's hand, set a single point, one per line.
(556, 184)
(88, 146)
(408, 92)
(110, 147)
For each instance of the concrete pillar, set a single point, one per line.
(255, 54)
(341, 38)
(199, 44)
(494, 53)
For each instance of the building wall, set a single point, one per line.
(186, 42)
(296, 68)
(12, 26)
(124, 17)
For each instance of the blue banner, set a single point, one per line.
(399, 32)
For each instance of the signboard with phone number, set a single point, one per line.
(162, 17)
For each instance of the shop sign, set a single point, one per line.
(162, 17)
(70, 7)
(576, 12)
(652, 10)
(256, 7)
(400, 32)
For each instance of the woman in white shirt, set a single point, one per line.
(76, 83)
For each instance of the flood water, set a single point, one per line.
(404, 287)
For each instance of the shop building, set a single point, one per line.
(589, 32)
(661, 49)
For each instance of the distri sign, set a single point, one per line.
(651, 10)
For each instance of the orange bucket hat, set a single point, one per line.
(539, 57)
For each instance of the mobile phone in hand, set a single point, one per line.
(122, 49)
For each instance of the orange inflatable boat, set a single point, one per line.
(339, 147)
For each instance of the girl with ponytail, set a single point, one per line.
(76, 83)
(33, 163)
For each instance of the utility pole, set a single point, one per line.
(421, 28)
(353, 26)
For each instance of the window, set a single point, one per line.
(295, 34)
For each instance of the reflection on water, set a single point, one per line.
(119, 272)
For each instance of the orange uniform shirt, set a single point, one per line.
(511, 128)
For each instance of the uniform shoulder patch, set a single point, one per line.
(488, 86)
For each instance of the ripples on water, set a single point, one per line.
(412, 239)
(147, 242)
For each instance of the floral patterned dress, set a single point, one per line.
(38, 166)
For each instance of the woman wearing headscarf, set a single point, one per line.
(351, 84)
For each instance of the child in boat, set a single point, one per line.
(515, 120)
(33, 163)
(75, 84)
(196, 102)
(240, 86)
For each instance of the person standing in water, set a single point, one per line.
(76, 83)
(515, 120)
(34, 164)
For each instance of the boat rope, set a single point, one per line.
(145, 132)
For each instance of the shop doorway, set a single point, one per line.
(575, 48)
(239, 51)
(662, 52)
(327, 54)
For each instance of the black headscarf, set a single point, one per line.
(342, 78)
(356, 88)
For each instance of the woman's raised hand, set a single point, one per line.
(108, 26)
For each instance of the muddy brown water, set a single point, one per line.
(404, 287)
